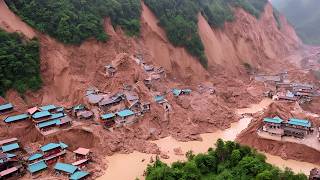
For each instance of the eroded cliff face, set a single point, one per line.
(68, 70)
(258, 42)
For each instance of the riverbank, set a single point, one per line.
(137, 162)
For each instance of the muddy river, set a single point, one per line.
(135, 163)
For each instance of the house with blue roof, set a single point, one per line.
(125, 116)
(273, 125)
(10, 147)
(48, 124)
(6, 107)
(78, 175)
(178, 92)
(38, 116)
(49, 107)
(16, 118)
(108, 119)
(35, 157)
(298, 128)
(37, 166)
(65, 168)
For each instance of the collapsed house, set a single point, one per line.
(178, 92)
(293, 127)
(80, 111)
(110, 70)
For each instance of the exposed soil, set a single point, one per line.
(286, 150)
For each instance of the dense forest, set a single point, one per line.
(228, 161)
(19, 63)
(305, 17)
(73, 21)
(179, 19)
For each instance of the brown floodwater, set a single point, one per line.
(131, 166)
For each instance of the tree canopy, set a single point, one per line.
(73, 21)
(19, 63)
(228, 161)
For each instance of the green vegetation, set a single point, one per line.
(73, 21)
(227, 162)
(179, 19)
(19, 63)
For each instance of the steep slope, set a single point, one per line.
(11, 23)
(248, 40)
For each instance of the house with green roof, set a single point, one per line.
(273, 126)
(298, 128)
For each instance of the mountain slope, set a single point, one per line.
(304, 15)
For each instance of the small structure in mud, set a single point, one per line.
(110, 70)
(178, 92)
(82, 153)
(125, 117)
(108, 119)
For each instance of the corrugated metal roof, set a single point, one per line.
(8, 171)
(57, 115)
(35, 156)
(49, 147)
(48, 107)
(275, 120)
(78, 175)
(187, 91)
(77, 163)
(107, 116)
(299, 122)
(10, 155)
(176, 92)
(82, 151)
(49, 123)
(63, 145)
(60, 109)
(16, 118)
(41, 114)
(68, 168)
(37, 166)
(10, 147)
(5, 141)
(6, 106)
(125, 113)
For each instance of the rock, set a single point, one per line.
(164, 156)
(178, 151)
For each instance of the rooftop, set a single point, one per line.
(125, 113)
(299, 122)
(275, 120)
(79, 175)
(41, 114)
(37, 166)
(6, 106)
(107, 116)
(48, 107)
(80, 162)
(49, 147)
(82, 151)
(8, 171)
(176, 92)
(48, 123)
(33, 110)
(64, 120)
(57, 115)
(10, 147)
(6, 141)
(159, 98)
(35, 156)
(16, 118)
(68, 168)
(79, 107)
(63, 145)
